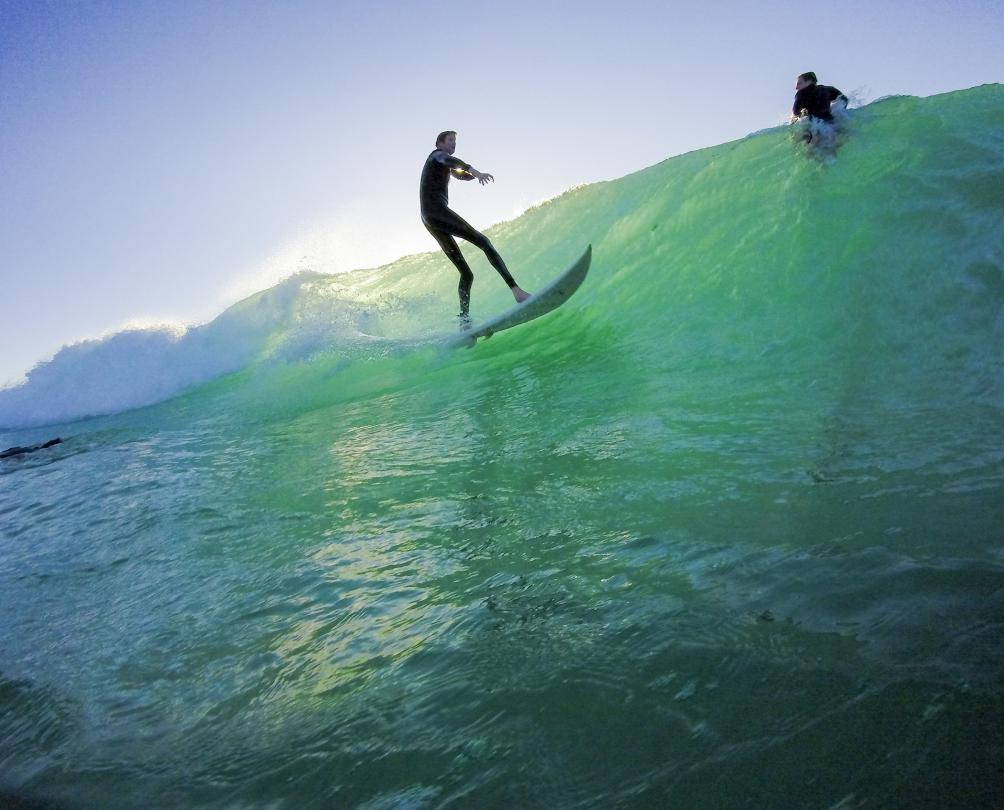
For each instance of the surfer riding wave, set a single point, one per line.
(444, 224)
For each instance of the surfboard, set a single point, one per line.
(551, 297)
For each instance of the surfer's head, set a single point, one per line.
(447, 141)
(805, 79)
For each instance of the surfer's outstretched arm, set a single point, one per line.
(483, 177)
(461, 170)
(454, 163)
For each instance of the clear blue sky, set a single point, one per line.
(159, 160)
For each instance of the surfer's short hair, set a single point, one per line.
(809, 77)
(442, 136)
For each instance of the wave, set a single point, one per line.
(747, 249)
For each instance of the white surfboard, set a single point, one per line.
(551, 297)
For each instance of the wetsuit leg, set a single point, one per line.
(452, 251)
(451, 223)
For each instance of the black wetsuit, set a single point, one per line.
(445, 224)
(815, 100)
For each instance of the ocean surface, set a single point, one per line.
(725, 530)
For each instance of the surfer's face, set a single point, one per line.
(449, 144)
(800, 83)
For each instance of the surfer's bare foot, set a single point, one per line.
(465, 321)
(520, 295)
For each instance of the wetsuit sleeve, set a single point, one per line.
(462, 174)
(453, 162)
(834, 94)
(799, 105)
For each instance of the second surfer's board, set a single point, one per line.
(551, 297)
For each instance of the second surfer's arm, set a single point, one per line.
(799, 105)
(835, 95)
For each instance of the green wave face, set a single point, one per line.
(723, 530)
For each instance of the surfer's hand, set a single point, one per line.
(483, 177)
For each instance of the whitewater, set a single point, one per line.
(724, 530)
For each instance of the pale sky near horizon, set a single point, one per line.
(159, 161)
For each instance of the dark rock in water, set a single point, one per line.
(20, 451)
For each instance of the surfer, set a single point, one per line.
(812, 114)
(813, 99)
(445, 224)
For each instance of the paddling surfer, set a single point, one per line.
(444, 224)
(813, 112)
(813, 99)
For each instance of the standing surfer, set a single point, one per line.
(445, 224)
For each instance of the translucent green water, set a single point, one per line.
(723, 531)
